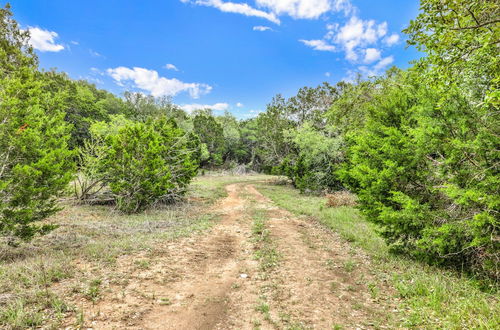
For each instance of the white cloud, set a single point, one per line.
(356, 34)
(343, 5)
(44, 40)
(239, 105)
(150, 81)
(237, 8)
(332, 26)
(94, 80)
(371, 55)
(319, 45)
(392, 39)
(216, 107)
(76, 43)
(261, 28)
(382, 29)
(297, 8)
(306, 9)
(384, 62)
(170, 66)
(357, 37)
(328, 74)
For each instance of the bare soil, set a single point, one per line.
(199, 282)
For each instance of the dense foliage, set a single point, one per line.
(211, 134)
(420, 147)
(411, 169)
(149, 162)
(35, 163)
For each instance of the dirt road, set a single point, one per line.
(213, 280)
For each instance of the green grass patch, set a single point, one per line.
(431, 298)
(266, 252)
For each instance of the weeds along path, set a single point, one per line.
(317, 280)
(259, 267)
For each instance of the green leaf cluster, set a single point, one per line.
(35, 163)
(147, 162)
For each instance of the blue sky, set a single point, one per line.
(229, 54)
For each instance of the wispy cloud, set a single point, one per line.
(236, 8)
(357, 34)
(93, 53)
(261, 28)
(320, 45)
(170, 66)
(378, 68)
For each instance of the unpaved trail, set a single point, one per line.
(197, 283)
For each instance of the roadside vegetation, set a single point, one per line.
(408, 163)
(430, 297)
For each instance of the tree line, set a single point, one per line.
(419, 147)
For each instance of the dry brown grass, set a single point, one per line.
(341, 198)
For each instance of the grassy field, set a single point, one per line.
(37, 279)
(431, 298)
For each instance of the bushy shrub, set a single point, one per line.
(147, 163)
(35, 163)
(427, 172)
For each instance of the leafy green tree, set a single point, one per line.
(249, 141)
(15, 51)
(348, 112)
(92, 178)
(211, 134)
(461, 39)
(318, 155)
(143, 107)
(273, 147)
(310, 104)
(83, 104)
(35, 164)
(234, 150)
